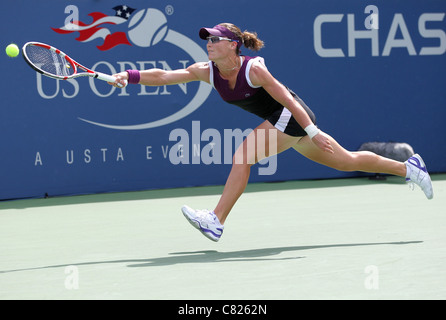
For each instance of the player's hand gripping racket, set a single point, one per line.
(53, 63)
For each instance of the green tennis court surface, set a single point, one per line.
(329, 239)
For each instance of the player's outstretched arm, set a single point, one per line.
(159, 77)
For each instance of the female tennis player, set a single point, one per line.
(246, 82)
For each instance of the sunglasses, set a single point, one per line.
(215, 39)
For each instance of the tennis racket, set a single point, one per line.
(53, 63)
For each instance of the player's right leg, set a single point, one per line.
(264, 141)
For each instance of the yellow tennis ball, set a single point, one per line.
(12, 50)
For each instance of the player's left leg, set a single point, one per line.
(365, 161)
(344, 160)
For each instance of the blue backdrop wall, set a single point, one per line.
(370, 73)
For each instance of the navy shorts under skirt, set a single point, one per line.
(284, 121)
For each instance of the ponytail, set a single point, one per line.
(251, 41)
(248, 39)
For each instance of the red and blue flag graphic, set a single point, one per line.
(100, 28)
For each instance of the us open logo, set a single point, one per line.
(144, 28)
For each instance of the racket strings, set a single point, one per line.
(49, 61)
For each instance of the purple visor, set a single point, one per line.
(219, 31)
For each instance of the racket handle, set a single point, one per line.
(109, 78)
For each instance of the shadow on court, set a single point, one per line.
(245, 255)
(213, 256)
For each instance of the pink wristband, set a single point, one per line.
(134, 76)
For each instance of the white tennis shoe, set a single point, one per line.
(205, 221)
(417, 173)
